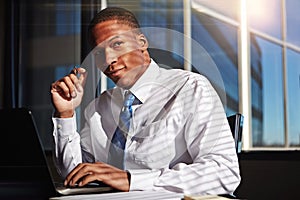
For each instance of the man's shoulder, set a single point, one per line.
(178, 79)
(181, 73)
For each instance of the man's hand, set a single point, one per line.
(66, 93)
(85, 173)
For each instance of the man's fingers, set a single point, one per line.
(87, 178)
(82, 174)
(85, 173)
(78, 71)
(77, 173)
(83, 75)
(71, 174)
(62, 88)
(70, 84)
(78, 76)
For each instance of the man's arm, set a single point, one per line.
(66, 95)
(67, 148)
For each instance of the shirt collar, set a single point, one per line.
(141, 89)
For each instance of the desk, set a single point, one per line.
(138, 195)
(269, 175)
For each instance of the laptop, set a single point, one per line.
(24, 172)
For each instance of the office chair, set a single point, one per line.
(236, 126)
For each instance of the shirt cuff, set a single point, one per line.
(64, 127)
(143, 179)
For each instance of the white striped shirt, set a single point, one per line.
(179, 138)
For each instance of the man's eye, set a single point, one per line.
(99, 52)
(117, 44)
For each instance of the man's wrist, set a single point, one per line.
(66, 114)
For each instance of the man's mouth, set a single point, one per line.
(116, 72)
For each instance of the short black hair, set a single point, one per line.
(113, 13)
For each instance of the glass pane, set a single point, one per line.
(228, 8)
(265, 16)
(293, 21)
(293, 85)
(50, 47)
(267, 93)
(220, 41)
(160, 22)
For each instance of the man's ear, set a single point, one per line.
(143, 41)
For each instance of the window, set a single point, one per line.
(293, 93)
(220, 41)
(293, 21)
(274, 58)
(267, 94)
(50, 47)
(51, 39)
(265, 16)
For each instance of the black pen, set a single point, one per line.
(74, 71)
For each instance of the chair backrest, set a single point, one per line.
(236, 125)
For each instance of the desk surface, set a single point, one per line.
(144, 195)
(138, 195)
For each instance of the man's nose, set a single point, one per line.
(110, 57)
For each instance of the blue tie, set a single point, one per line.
(116, 150)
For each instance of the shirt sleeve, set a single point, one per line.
(214, 168)
(67, 153)
(143, 179)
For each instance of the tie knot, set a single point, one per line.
(129, 98)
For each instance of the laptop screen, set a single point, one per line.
(23, 166)
(20, 142)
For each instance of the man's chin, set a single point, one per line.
(124, 83)
(128, 79)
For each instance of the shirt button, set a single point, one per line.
(59, 126)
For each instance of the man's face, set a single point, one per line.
(120, 53)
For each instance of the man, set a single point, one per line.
(178, 138)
